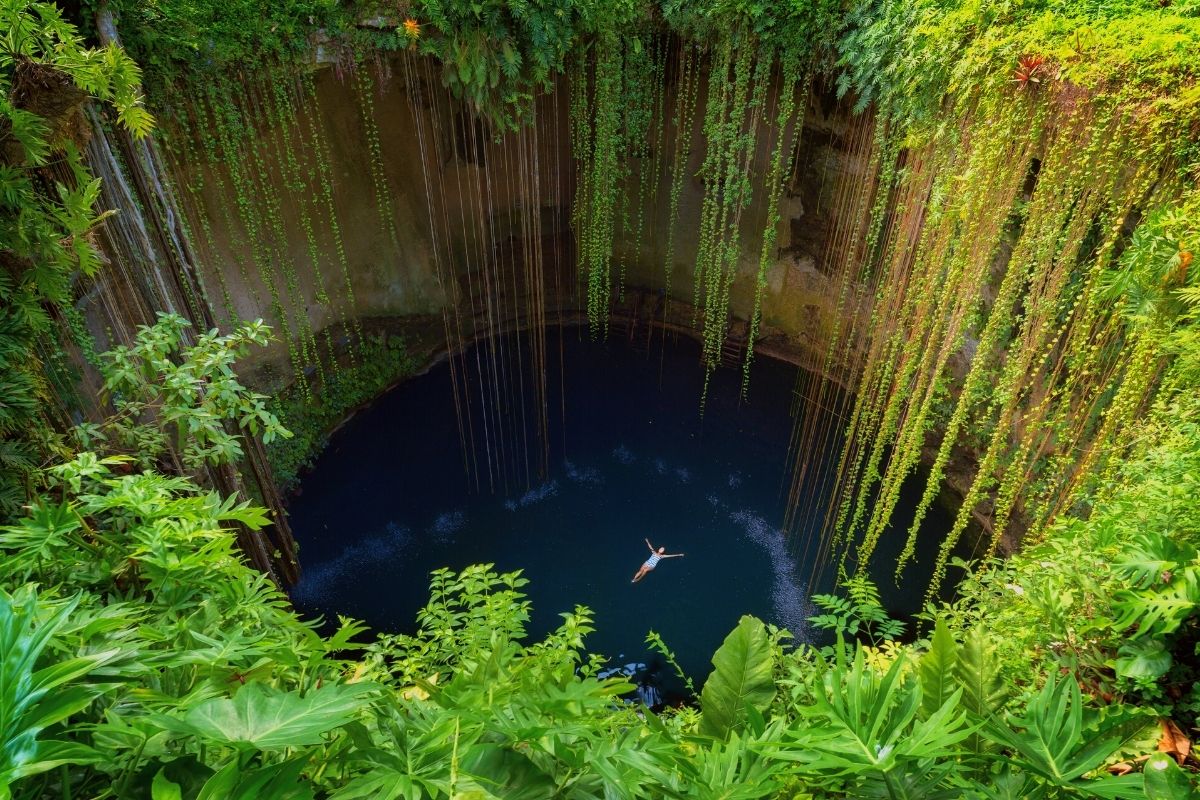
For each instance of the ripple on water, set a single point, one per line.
(535, 495)
(315, 582)
(788, 594)
(585, 476)
(446, 525)
(623, 454)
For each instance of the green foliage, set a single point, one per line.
(152, 662)
(977, 669)
(1057, 741)
(142, 658)
(181, 399)
(865, 725)
(1112, 596)
(905, 56)
(39, 45)
(46, 219)
(163, 618)
(1153, 273)
(937, 668)
(260, 717)
(596, 131)
(380, 362)
(172, 36)
(1164, 780)
(1164, 581)
(497, 55)
(782, 26)
(741, 683)
(859, 613)
(32, 699)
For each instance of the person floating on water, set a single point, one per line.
(652, 561)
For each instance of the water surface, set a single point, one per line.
(632, 458)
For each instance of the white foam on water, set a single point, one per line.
(535, 495)
(788, 595)
(318, 579)
(735, 480)
(446, 525)
(683, 474)
(623, 454)
(660, 466)
(585, 476)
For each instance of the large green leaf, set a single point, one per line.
(1143, 659)
(163, 788)
(268, 719)
(936, 670)
(28, 702)
(742, 676)
(1164, 780)
(977, 671)
(1009, 784)
(52, 753)
(1057, 741)
(274, 782)
(865, 723)
(1151, 557)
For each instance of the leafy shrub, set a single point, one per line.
(143, 658)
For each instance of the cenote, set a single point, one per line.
(613, 237)
(631, 457)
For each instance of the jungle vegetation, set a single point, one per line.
(1033, 168)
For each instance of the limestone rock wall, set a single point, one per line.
(393, 145)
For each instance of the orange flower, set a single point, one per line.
(411, 28)
(1028, 71)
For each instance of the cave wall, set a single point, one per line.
(434, 264)
(800, 300)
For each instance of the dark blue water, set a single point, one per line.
(390, 500)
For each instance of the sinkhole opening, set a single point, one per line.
(628, 456)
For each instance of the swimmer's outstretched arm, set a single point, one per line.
(647, 541)
(674, 555)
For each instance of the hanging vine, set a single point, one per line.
(596, 201)
(687, 89)
(781, 162)
(972, 314)
(1033, 191)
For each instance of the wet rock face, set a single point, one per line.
(436, 170)
(820, 164)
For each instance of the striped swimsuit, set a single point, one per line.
(652, 561)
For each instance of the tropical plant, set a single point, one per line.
(32, 699)
(1058, 742)
(178, 671)
(860, 613)
(1040, 212)
(742, 681)
(497, 55)
(178, 398)
(47, 217)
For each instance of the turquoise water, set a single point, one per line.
(631, 458)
